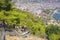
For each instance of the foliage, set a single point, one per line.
(10, 17)
(38, 30)
(54, 37)
(5, 5)
(33, 23)
(53, 31)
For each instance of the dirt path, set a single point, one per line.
(21, 38)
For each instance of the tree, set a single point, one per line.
(10, 17)
(53, 31)
(5, 5)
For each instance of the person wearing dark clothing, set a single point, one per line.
(23, 28)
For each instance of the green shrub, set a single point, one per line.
(53, 32)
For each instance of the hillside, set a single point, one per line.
(37, 27)
(12, 18)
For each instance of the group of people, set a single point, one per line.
(23, 28)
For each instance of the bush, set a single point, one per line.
(53, 31)
(54, 37)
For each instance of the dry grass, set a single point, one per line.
(21, 38)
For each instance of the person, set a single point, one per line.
(16, 27)
(25, 31)
(23, 28)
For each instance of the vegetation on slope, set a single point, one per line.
(12, 17)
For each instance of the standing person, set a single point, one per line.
(16, 27)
